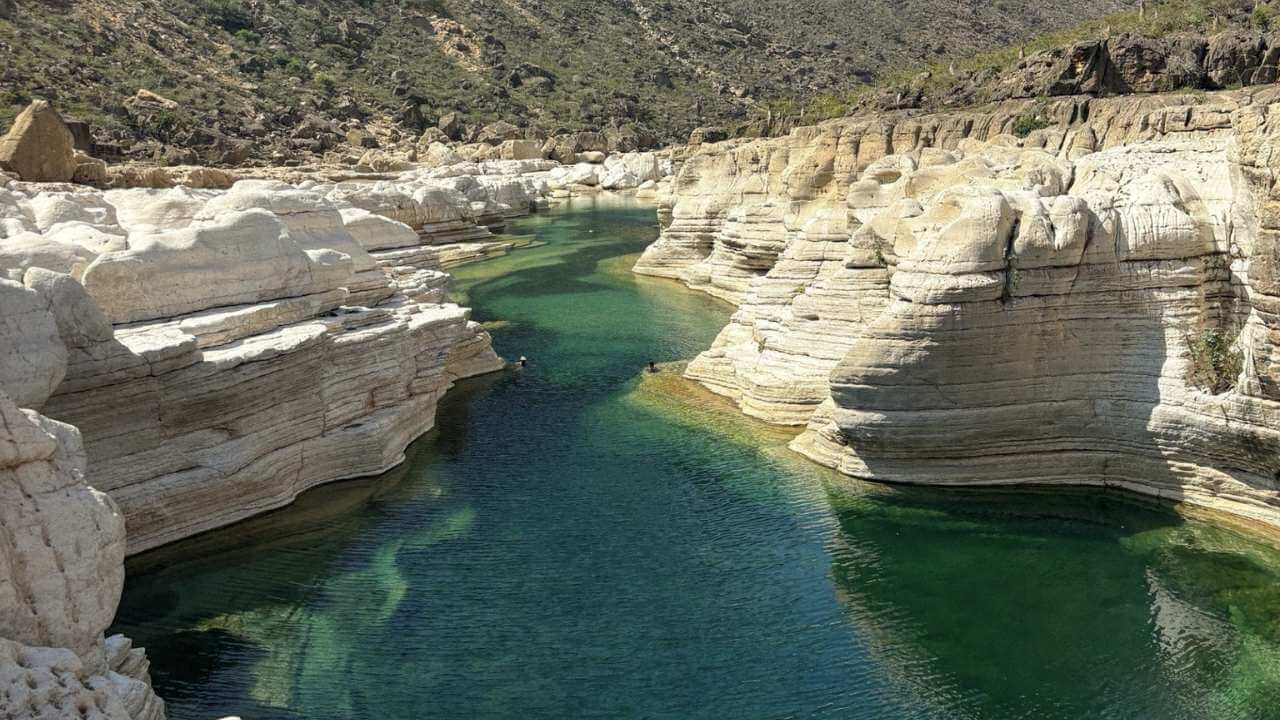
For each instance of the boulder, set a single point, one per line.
(201, 177)
(33, 358)
(478, 152)
(229, 151)
(39, 147)
(498, 133)
(564, 148)
(451, 125)
(90, 171)
(595, 157)
(361, 139)
(707, 135)
(383, 161)
(629, 138)
(439, 154)
(520, 150)
(432, 135)
(145, 103)
(584, 174)
(139, 176)
(531, 76)
(81, 136)
(629, 170)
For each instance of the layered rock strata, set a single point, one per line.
(62, 543)
(234, 348)
(252, 342)
(198, 356)
(938, 301)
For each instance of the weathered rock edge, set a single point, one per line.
(937, 301)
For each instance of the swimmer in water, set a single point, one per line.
(523, 361)
(653, 367)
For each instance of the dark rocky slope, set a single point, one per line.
(264, 77)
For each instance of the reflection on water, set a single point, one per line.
(583, 539)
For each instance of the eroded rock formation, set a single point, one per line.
(939, 301)
(223, 351)
(62, 543)
(198, 356)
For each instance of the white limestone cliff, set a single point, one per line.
(199, 356)
(937, 301)
(62, 544)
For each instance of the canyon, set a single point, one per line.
(1074, 291)
(935, 299)
(1047, 290)
(176, 359)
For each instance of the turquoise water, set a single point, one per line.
(583, 540)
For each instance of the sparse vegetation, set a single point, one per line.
(751, 66)
(1214, 361)
(937, 80)
(326, 82)
(230, 15)
(1029, 123)
(1264, 16)
(662, 67)
(161, 125)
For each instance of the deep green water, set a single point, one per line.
(583, 540)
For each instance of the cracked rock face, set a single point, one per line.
(62, 545)
(937, 301)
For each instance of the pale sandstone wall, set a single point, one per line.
(62, 544)
(240, 346)
(950, 304)
(235, 348)
(209, 355)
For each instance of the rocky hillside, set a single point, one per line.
(266, 70)
(1159, 46)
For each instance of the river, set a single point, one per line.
(582, 539)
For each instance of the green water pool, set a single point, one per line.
(581, 539)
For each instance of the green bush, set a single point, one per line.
(160, 126)
(326, 82)
(1215, 361)
(248, 37)
(1029, 123)
(230, 15)
(434, 7)
(1264, 17)
(292, 65)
